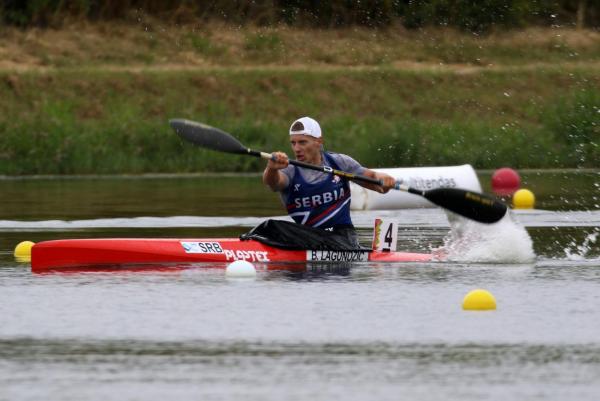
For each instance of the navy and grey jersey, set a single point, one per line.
(319, 199)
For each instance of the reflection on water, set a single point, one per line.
(134, 196)
(568, 243)
(130, 196)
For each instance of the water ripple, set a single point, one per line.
(428, 218)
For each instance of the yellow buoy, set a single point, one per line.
(23, 251)
(479, 300)
(523, 199)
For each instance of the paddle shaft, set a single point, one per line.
(400, 186)
(469, 204)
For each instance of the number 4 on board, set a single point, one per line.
(385, 235)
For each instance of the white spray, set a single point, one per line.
(503, 242)
(579, 252)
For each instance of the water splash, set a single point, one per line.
(506, 241)
(580, 252)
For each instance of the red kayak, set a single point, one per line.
(61, 254)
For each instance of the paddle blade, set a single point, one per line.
(472, 205)
(206, 136)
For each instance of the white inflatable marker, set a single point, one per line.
(240, 269)
(425, 178)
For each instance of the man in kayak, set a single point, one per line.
(314, 198)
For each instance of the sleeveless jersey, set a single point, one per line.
(324, 204)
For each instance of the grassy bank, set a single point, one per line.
(152, 43)
(77, 110)
(99, 122)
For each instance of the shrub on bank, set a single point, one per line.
(476, 16)
(116, 122)
(575, 121)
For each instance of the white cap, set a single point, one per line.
(306, 126)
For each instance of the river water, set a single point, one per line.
(359, 332)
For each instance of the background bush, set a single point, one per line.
(471, 15)
(575, 121)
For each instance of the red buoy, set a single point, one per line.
(505, 181)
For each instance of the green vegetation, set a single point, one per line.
(475, 16)
(575, 121)
(116, 121)
(96, 98)
(152, 43)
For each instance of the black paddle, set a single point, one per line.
(472, 205)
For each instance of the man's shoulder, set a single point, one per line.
(346, 163)
(338, 156)
(341, 157)
(289, 170)
(289, 173)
